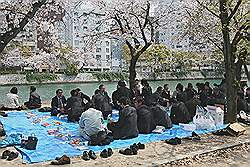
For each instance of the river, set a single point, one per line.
(47, 91)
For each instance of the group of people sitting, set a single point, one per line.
(140, 110)
(12, 102)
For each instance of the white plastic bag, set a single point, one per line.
(204, 122)
(188, 127)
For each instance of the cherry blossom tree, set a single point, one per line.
(134, 22)
(225, 25)
(16, 14)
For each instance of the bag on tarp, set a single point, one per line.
(31, 143)
(203, 120)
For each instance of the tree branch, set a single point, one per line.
(204, 6)
(234, 10)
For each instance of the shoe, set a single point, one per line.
(195, 136)
(12, 155)
(127, 151)
(134, 149)
(104, 154)
(135, 146)
(92, 155)
(5, 154)
(85, 156)
(173, 141)
(141, 146)
(110, 152)
(61, 160)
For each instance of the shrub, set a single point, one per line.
(40, 77)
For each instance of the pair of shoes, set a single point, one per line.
(106, 153)
(127, 151)
(173, 141)
(9, 155)
(61, 160)
(141, 146)
(133, 149)
(88, 155)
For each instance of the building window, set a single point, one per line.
(107, 50)
(76, 42)
(178, 46)
(107, 43)
(98, 49)
(107, 57)
(98, 57)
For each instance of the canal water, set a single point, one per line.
(47, 91)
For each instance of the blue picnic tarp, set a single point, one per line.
(66, 140)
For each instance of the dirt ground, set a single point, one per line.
(159, 152)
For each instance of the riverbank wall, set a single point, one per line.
(20, 79)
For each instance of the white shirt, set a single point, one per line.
(12, 101)
(91, 122)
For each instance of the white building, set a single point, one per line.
(81, 22)
(171, 34)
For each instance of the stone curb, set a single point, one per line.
(196, 153)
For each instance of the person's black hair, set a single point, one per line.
(122, 83)
(190, 85)
(73, 92)
(144, 82)
(13, 90)
(165, 85)
(33, 88)
(207, 83)
(179, 86)
(100, 86)
(58, 90)
(124, 100)
(159, 89)
(78, 89)
(97, 91)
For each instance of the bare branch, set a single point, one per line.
(204, 6)
(234, 10)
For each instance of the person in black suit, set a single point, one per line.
(58, 103)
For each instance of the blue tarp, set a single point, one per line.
(66, 139)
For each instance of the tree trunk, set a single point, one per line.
(231, 103)
(132, 72)
(247, 72)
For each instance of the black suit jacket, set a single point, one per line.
(55, 102)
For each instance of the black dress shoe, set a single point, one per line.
(135, 146)
(104, 154)
(12, 155)
(127, 151)
(5, 154)
(61, 160)
(92, 155)
(141, 146)
(85, 156)
(110, 152)
(173, 141)
(134, 149)
(195, 136)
